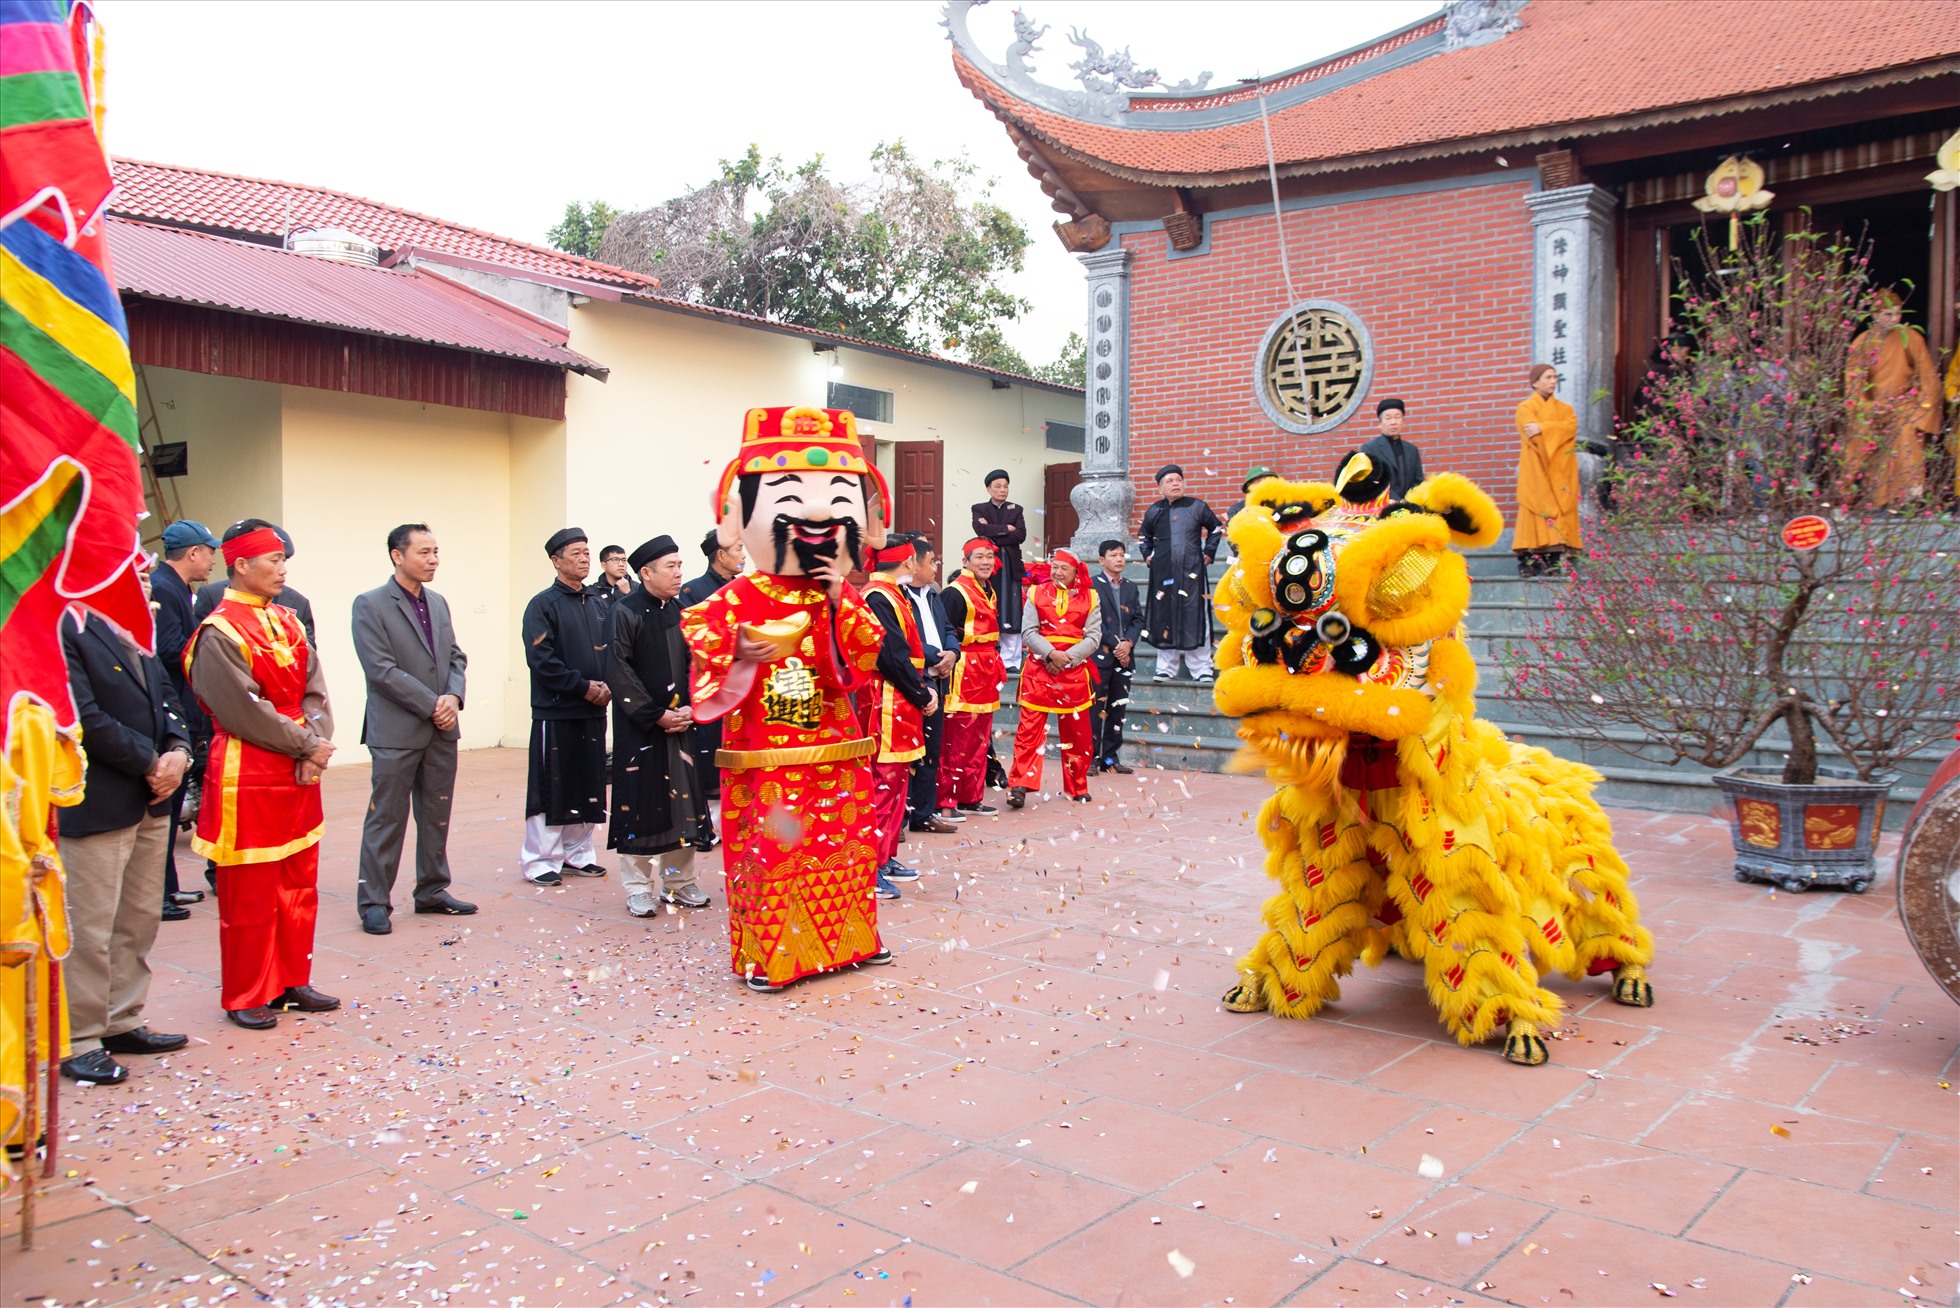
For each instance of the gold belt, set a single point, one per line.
(839, 752)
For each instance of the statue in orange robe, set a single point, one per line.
(777, 653)
(1893, 389)
(1548, 477)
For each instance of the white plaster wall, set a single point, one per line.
(232, 428)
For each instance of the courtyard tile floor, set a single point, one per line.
(1042, 1103)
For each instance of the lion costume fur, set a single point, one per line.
(1401, 819)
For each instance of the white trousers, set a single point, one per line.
(1010, 650)
(676, 871)
(1197, 662)
(548, 848)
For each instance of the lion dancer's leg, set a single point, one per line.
(1604, 922)
(1475, 955)
(1317, 922)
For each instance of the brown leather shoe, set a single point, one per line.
(307, 1000)
(253, 1019)
(936, 825)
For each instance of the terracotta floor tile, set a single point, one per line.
(927, 1278)
(932, 1206)
(1011, 1038)
(1452, 1237)
(1573, 1250)
(1196, 1020)
(595, 1192)
(1922, 1170)
(1480, 1078)
(762, 1132)
(1152, 1073)
(969, 1102)
(1829, 1292)
(1334, 1049)
(1870, 1240)
(1128, 1259)
(1615, 1108)
(1308, 1111)
(105, 1257)
(338, 1230)
(1140, 1149)
(852, 1169)
(845, 1066)
(1884, 1097)
(286, 1177)
(500, 1267)
(1767, 1138)
(1619, 1182)
(1308, 1194)
(56, 1199)
(1769, 1071)
(1353, 1283)
(1459, 1137)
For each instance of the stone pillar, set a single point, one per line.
(1573, 300)
(1103, 499)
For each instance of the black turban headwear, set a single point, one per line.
(559, 540)
(657, 548)
(1386, 405)
(1167, 470)
(998, 474)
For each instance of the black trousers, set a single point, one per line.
(1111, 707)
(922, 792)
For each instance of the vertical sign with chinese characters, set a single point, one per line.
(1573, 313)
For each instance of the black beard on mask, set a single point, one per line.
(809, 557)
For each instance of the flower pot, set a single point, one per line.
(1797, 837)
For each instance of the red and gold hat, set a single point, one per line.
(802, 439)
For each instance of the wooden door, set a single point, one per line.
(919, 468)
(1058, 521)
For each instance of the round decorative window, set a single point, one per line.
(1314, 367)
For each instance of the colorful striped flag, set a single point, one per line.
(70, 492)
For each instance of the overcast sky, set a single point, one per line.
(498, 114)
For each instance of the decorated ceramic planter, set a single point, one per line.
(1797, 837)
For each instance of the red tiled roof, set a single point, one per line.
(167, 263)
(198, 197)
(1573, 62)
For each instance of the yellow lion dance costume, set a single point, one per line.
(1401, 819)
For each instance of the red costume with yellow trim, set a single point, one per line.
(974, 694)
(796, 801)
(258, 823)
(896, 720)
(1069, 618)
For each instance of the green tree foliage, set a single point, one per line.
(1071, 366)
(583, 228)
(912, 258)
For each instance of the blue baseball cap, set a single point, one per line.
(184, 533)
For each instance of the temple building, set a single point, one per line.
(1499, 184)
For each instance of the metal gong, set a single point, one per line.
(1929, 877)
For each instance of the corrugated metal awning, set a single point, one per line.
(165, 263)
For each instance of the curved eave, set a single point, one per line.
(1028, 121)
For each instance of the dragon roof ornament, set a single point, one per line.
(1113, 89)
(1108, 78)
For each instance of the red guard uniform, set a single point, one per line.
(896, 720)
(1069, 618)
(257, 822)
(796, 808)
(972, 698)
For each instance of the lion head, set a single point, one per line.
(1340, 609)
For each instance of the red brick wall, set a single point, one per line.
(1442, 281)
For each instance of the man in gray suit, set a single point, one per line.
(407, 648)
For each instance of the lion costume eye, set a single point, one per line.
(1303, 573)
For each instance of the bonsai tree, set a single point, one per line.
(1691, 620)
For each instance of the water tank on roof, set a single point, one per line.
(333, 243)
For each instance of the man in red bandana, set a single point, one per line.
(260, 681)
(895, 703)
(977, 678)
(1061, 629)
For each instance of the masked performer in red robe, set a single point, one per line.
(777, 653)
(260, 681)
(1061, 628)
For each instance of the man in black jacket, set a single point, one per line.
(942, 645)
(653, 783)
(725, 563)
(1391, 451)
(113, 842)
(189, 552)
(567, 643)
(1115, 659)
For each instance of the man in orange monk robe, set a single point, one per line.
(1894, 393)
(1548, 477)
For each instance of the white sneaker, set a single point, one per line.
(643, 903)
